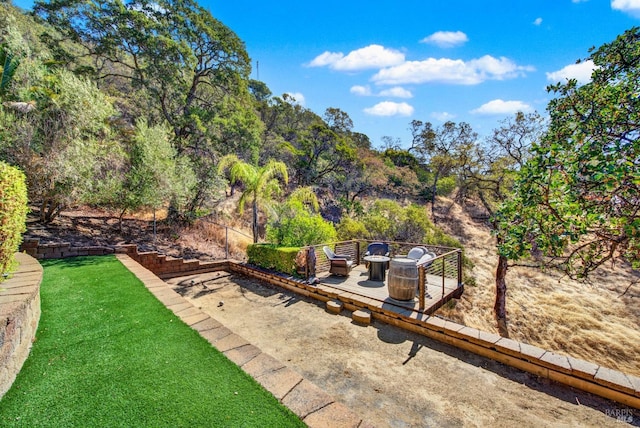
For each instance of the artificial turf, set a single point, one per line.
(108, 353)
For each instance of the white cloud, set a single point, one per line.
(501, 107)
(397, 92)
(446, 39)
(442, 116)
(326, 58)
(363, 91)
(453, 71)
(372, 56)
(389, 108)
(295, 98)
(580, 71)
(632, 7)
(538, 21)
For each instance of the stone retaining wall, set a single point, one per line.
(35, 249)
(167, 267)
(19, 317)
(161, 265)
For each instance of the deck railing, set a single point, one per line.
(447, 266)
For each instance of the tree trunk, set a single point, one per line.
(500, 307)
(49, 210)
(434, 189)
(120, 219)
(255, 221)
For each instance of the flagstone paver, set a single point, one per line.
(335, 414)
(206, 324)
(243, 354)
(262, 364)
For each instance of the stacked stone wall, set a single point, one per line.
(19, 317)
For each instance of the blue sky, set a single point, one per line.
(387, 63)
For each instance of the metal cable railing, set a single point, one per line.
(447, 266)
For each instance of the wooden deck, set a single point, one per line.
(356, 292)
(358, 289)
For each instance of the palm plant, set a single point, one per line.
(8, 63)
(261, 184)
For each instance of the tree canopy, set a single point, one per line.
(261, 183)
(576, 199)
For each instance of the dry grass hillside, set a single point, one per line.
(588, 321)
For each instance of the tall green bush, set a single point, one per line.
(269, 256)
(388, 220)
(297, 226)
(349, 228)
(13, 214)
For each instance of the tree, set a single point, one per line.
(261, 184)
(442, 148)
(318, 152)
(176, 63)
(172, 48)
(152, 176)
(576, 200)
(490, 170)
(367, 175)
(322, 151)
(64, 144)
(298, 222)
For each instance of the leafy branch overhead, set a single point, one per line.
(576, 199)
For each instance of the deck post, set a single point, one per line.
(444, 261)
(422, 274)
(459, 268)
(226, 242)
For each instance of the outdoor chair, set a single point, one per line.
(340, 264)
(416, 253)
(377, 249)
(422, 256)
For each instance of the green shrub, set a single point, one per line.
(414, 224)
(269, 256)
(13, 213)
(297, 227)
(446, 186)
(349, 229)
(436, 236)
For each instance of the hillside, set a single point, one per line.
(589, 321)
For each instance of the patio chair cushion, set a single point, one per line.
(377, 249)
(333, 256)
(340, 264)
(426, 258)
(416, 253)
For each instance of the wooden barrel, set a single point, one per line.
(402, 279)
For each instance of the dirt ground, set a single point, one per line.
(391, 377)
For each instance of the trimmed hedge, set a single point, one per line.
(13, 214)
(270, 256)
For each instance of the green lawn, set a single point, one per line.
(109, 354)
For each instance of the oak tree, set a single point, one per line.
(576, 200)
